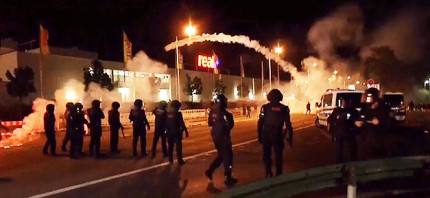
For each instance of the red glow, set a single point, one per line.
(206, 61)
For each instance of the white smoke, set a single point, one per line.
(239, 39)
(142, 63)
(31, 124)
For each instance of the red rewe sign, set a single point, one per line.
(206, 61)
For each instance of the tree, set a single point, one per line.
(97, 76)
(386, 69)
(21, 83)
(193, 86)
(219, 88)
(243, 90)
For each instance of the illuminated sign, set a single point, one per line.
(207, 61)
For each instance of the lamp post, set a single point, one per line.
(278, 50)
(309, 72)
(190, 31)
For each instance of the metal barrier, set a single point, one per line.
(347, 175)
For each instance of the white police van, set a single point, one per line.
(332, 99)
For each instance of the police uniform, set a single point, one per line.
(273, 116)
(138, 117)
(68, 132)
(115, 125)
(221, 122)
(344, 131)
(96, 115)
(49, 123)
(160, 128)
(81, 121)
(175, 127)
(72, 127)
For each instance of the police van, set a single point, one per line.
(332, 99)
(396, 102)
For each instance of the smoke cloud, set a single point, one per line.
(239, 39)
(142, 63)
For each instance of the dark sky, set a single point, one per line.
(97, 25)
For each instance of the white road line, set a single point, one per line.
(97, 181)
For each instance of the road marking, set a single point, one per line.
(97, 181)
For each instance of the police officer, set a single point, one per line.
(175, 128)
(160, 132)
(96, 115)
(81, 121)
(66, 139)
(115, 125)
(222, 122)
(138, 117)
(49, 124)
(342, 121)
(72, 128)
(273, 116)
(374, 124)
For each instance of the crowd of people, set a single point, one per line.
(364, 133)
(367, 129)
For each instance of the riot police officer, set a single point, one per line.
(273, 116)
(138, 117)
(375, 124)
(222, 122)
(175, 128)
(96, 115)
(49, 124)
(66, 139)
(160, 129)
(81, 121)
(115, 125)
(72, 129)
(343, 130)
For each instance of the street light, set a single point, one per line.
(190, 30)
(348, 77)
(335, 72)
(357, 82)
(309, 71)
(278, 50)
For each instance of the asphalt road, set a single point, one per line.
(25, 172)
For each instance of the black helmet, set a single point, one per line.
(221, 100)
(95, 103)
(275, 96)
(69, 105)
(162, 104)
(138, 103)
(176, 104)
(372, 92)
(115, 105)
(50, 107)
(79, 105)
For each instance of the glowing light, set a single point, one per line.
(264, 94)
(206, 61)
(335, 72)
(364, 83)
(71, 96)
(163, 94)
(306, 82)
(329, 79)
(278, 49)
(190, 30)
(348, 77)
(236, 93)
(358, 82)
(125, 93)
(315, 64)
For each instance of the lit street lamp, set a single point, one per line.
(309, 72)
(278, 50)
(190, 31)
(335, 72)
(357, 82)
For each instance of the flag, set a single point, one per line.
(44, 36)
(215, 62)
(180, 60)
(127, 47)
(242, 70)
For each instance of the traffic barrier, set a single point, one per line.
(11, 123)
(338, 175)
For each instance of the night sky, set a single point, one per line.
(97, 25)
